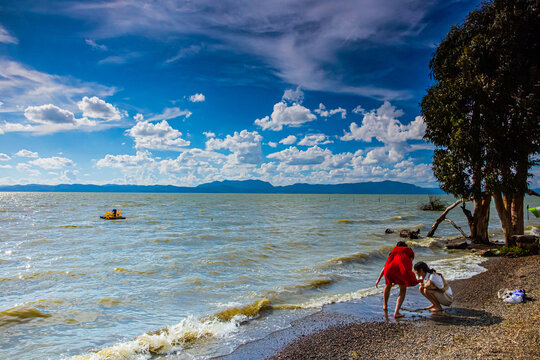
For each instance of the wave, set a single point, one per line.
(190, 330)
(41, 275)
(132, 272)
(19, 314)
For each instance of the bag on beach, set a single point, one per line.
(512, 297)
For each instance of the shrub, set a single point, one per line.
(435, 204)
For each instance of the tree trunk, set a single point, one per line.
(480, 220)
(510, 209)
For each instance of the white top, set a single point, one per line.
(436, 280)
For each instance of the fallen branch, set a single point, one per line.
(442, 217)
(457, 227)
(532, 192)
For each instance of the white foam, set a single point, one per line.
(173, 339)
(334, 298)
(462, 267)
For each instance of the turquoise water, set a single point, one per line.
(199, 266)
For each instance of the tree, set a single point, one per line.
(482, 112)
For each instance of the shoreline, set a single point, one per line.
(478, 325)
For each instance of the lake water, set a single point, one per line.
(183, 276)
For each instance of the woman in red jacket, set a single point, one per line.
(398, 270)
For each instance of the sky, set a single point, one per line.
(189, 92)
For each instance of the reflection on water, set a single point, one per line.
(196, 266)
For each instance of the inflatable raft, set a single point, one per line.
(113, 215)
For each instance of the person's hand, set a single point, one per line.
(377, 284)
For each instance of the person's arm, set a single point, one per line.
(379, 279)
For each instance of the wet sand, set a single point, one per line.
(477, 326)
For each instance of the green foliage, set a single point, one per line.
(513, 250)
(435, 204)
(482, 113)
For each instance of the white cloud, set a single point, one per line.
(383, 125)
(170, 113)
(4, 157)
(315, 139)
(289, 140)
(185, 52)
(359, 110)
(94, 107)
(119, 59)
(197, 98)
(301, 41)
(272, 144)
(95, 45)
(27, 168)
(138, 117)
(245, 146)
(22, 87)
(6, 37)
(326, 113)
(26, 153)
(49, 114)
(54, 162)
(296, 96)
(7, 166)
(283, 115)
(209, 134)
(160, 136)
(126, 161)
(293, 156)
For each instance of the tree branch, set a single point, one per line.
(532, 192)
(457, 227)
(442, 217)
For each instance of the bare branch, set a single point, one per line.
(442, 217)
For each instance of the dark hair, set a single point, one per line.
(401, 243)
(424, 267)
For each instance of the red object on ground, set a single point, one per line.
(398, 267)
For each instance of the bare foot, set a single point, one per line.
(385, 307)
(434, 309)
(398, 315)
(429, 307)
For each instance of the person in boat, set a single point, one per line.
(434, 287)
(398, 271)
(114, 213)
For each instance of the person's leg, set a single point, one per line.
(387, 289)
(431, 297)
(423, 291)
(400, 299)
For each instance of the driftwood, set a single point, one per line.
(457, 227)
(442, 217)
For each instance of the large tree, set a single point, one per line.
(482, 112)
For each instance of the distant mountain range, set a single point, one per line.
(233, 186)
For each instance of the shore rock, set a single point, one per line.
(411, 234)
(457, 244)
(487, 253)
(388, 231)
(527, 242)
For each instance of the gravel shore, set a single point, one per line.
(477, 326)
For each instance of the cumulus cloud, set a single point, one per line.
(359, 110)
(293, 156)
(4, 157)
(138, 117)
(315, 139)
(296, 96)
(170, 113)
(197, 98)
(326, 113)
(126, 161)
(284, 115)
(272, 144)
(6, 37)
(94, 107)
(209, 134)
(383, 124)
(49, 114)
(289, 140)
(55, 162)
(160, 136)
(26, 153)
(245, 146)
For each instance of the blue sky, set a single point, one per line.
(187, 92)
